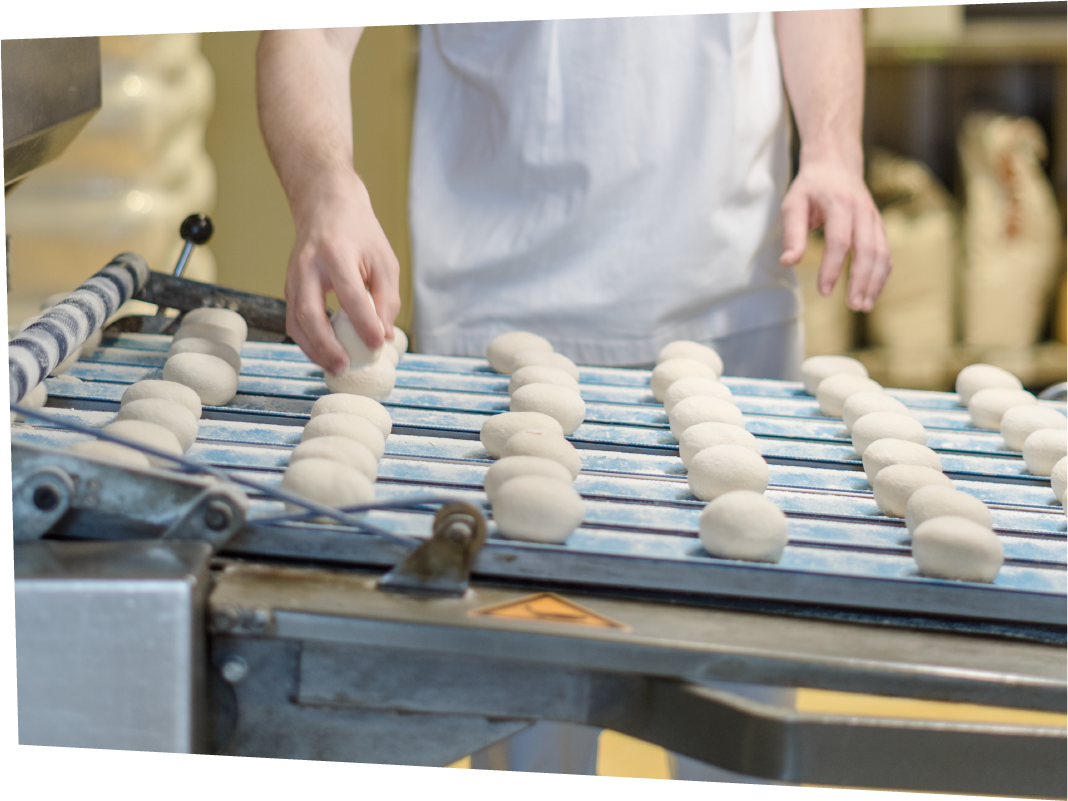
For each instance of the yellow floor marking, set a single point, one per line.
(461, 763)
(627, 757)
(547, 607)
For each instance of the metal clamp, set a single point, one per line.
(213, 517)
(40, 501)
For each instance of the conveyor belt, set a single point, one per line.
(641, 521)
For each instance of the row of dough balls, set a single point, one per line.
(336, 462)
(371, 373)
(951, 532)
(723, 461)
(206, 354)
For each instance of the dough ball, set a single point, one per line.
(703, 409)
(216, 333)
(721, 469)
(816, 368)
(707, 435)
(197, 345)
(885, 452)
(372, 380)
(359, 354)
(354, 404)
(562, 404)
(151, 434)
(835, 390)
(224, 318)
(887, 425)
(328, 482)
(975, 377)
(502, 349)
(36, 398)
(894, 485)
(987, 406)
(668, 372)
(214, 381)
(537, 374)
(172, 415)
(167, 390)
(957, 548)
(353, 426)
(862, 403)
(343, 450)
(497, 430)
(506, 469)
(391, 354)
(685, 349)
(695, 385)
(110, 452)
(1043, 449)
(744, 525)
(400, 341)
(1019, 422)
(1058, 478)
(934, 500)
(537, 509)
(544, 358)
(548, 446)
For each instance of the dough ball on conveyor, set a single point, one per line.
(211, 347)
(988, 406)
(707, 435)
(497, 430)
(887, 425)
(835, 390)
(110, 452)
(703, 409)
(537, 509)
(538, 374)
(344, 450)
(354, 404)
(934, 500)
(667, 373)
(1043, 449)
(885, 452)
(225, 318)
(957, 548)
(502, 349)
(216, 333)
(894, 485)
(976, 377)
(685, 349)
(359, 354)
(34, 399)
(513, 466)
(695, 385)
(1058, 478)
(172, 415)
(167, 390)
(546, 445)
(328, 482)
(1019, 422)
(151, 434)
(353, 426)
(543, 358)
(562, 404)
(862, 403)
(391, 354)
(214, 381)
(816, 368)
(721, 469)
(400, 341)
(744, 525)
(374, 380)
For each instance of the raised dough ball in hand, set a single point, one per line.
(744, 525)
(224, 318)
(707, 435)
(214, 381)
(502, 349)
(328, 482)
(168, 390)
(110, 452)
(885, 452)
(497, 430)
(151, 434)
(703, 409)
(199, 345)
(721, 469)
(562, 404)
(359, 354)
(548, 446)
(938, 501)
(391, 354)
(695, 385)
(1043, 449)
(862, 403)
(987, 406)
(668, 372)
(172, 415)
(354, 404)
(887, 425)
(835, 390)
(537, 374)
(537, 509)
(344, 450)
(956, 548)
(816, 368)
(685, 349)
(400, 341)
(543, 358)
(374, 380)
(1058, 478)
(352, 426)
(975, 377)
(505, 469)
(894, 485)
(1019, 422)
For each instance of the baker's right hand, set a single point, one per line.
(340, 246)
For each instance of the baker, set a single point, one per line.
(611, 184)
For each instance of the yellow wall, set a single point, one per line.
(254, 232)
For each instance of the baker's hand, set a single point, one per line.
(341, 246)
(830, 192)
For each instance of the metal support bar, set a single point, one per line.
(442, 564)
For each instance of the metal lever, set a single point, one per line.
(196, 229)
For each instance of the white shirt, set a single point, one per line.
(611, 184)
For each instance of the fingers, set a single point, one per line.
(356, 301)
(837, 238)
(306, 319)
(385, 290)
(871, 260)
(795, 219)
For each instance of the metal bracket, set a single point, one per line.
(442, 564)
(213, 517)
(40, 501)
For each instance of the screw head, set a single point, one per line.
(234, 669)
(45, 497)
(217, 516)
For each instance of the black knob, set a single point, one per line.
(197, 228)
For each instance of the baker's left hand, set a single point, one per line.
(830, 191)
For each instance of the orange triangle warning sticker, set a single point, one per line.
(547, 607)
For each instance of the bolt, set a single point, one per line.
(458, 533)
(217, 516)
(45, 497)
(234, 669)
(261, 620)
(224, 618)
